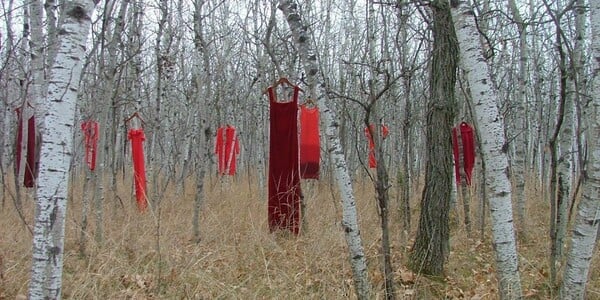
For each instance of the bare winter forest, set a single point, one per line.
(284, 149)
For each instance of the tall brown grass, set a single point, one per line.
(238, 258)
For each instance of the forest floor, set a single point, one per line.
(152, 255)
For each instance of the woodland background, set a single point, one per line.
(143, 57)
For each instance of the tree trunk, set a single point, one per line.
(583, 239)
(202, 90)
(520, 120)
(494, 148)
(432, 243)
(349, 214)
(56, 155)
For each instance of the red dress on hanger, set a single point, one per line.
(284, 175)
(227, 147)
(310, 146)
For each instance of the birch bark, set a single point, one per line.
(349, 214)
(56, 155)
(519, 165)
(584, 233)
(491, 127)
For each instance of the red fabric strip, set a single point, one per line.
(384, 133)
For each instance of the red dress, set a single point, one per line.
(227, 147)
(310, 146)
(284, 175)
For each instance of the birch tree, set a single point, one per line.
(585, 230)
(520, 120)
(350, 217)
(56, 153)
(490, 124)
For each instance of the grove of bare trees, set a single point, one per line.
(523, 73)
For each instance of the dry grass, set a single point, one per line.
(238, 259)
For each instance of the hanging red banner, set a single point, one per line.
(465, 145)
(90, 132)
(310, 144)
(139, 170)
(227, 147)
(30, 173)
(384, 134)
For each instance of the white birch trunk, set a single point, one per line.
(583, 239)
(336, 153)
(520, 126)
(56, 153)
(37, 46)
(491, 127)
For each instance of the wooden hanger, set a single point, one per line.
(135, 115)
(283, 81)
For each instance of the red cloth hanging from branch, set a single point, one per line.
(90, 132)
(227, 147)
(30, 173)
(384, 133)
(139, 170)
(310, 145)
(456, 155)
(284, 176)
(465, 145)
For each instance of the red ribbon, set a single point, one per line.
(137, 152)
(90, 131)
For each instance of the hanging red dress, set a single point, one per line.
(227, 147)
(467, 145)
(284, 175)
(30, 173)
(137, 138)
(310, 146)
(90, 131)
(384, 134)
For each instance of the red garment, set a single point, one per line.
(139, 170)
(456, 155)
(310, 145)
(284, 175)
(384, 134)
(31, 163)
(467, 145)
(227, 147)
(90, 131)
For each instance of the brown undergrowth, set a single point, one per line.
(238, 258)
